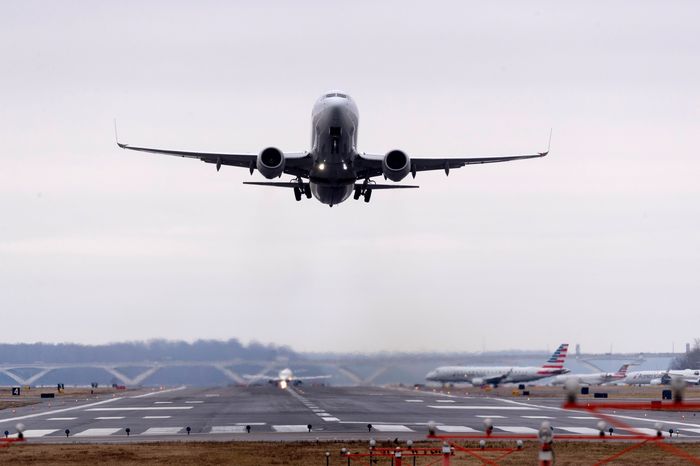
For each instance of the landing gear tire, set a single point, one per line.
(307, 190)
(358, 193)
(368, 195)
(297, 194)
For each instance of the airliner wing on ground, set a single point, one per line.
(284, 378)
(332, 169)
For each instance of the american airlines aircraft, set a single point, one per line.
(478, 375)
(597, 378)
(285, 378)
(332, 169)
(689, 376)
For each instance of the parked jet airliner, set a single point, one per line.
(332, 169)
(480, 375)
(595, 378)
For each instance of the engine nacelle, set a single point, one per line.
(396, 165)
(477, 382)
(270, 163)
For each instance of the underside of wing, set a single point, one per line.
(296, 163)
(293, 184)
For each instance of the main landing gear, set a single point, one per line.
(365, 190)
(302, 187)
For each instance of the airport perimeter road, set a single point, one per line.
(333, 413)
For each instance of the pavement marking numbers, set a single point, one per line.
(291, 428)
(580, 430)
(456, 429)
(108, 418)
(227, 429)
(517, 429)
(98, 432)
(391, 428)
(161, 431)
(35, 433)
(62, 419)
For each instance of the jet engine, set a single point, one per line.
(477, 382)
(396, 165)
(270, 163)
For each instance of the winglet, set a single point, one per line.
(116, 136)
(549, 143)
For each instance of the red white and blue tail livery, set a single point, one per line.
(555, 363)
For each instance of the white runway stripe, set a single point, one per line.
(108, 418)
(584, 417)
(157, 417)
(537, 417)
(490, 416)
(391, 428)
(251, 423)
(97, 432)
(445, 401)
(579, 430)
(290, 428)
(330, 419)
(487, 408)
(194, 402)
(141, 408)
(62, 418)
(227, 429)
(456, 429)
(647, 431)
(517, 429)
(163, 402)
(35, 433)
(161, 430)
(413, 401)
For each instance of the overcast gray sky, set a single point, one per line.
(597, 244)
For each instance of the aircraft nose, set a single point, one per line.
(430, 375)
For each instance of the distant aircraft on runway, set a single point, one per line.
(284, 378)
(485, 375)
(333, 169)
(597, 378)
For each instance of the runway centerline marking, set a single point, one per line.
(62, 418)
(194, 401)
(163, 402)
(142, 408)
(413, 401)
(444, 401)
(156, 417)
(108, 418)
(492, 416)
(538, 417)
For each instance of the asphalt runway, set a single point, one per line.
(341, 413)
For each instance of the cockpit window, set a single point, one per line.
(337, 94)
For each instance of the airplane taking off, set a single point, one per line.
(597, 378)
(480, 375)
(332, 169)
(285, 378)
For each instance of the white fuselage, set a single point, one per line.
(661, 377)
(598, 378)
(478, 375)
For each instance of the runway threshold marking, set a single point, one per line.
(35, 433)
(456, 429)
(517, 429)
(290, 428)
(97, 432)
(330, 419)
(391, 428)
(581, 430)
(485, 408)
(161, 430)
(227, 429)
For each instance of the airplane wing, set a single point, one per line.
(292, 184)
(312, 377)
(297, 163)
(371, 165)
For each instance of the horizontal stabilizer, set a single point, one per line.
(293, 184)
